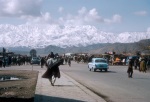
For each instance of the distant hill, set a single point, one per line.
(101, 48)
(95, 48)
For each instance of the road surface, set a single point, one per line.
(114, 85)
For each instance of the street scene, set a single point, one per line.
(78, 84)
(74, 51)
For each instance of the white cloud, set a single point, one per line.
(43, 19)
(140, 13)
(17, 8)
(47, 16)
(61, 9)
(87, 17)
(115, 19)
(93, 16)
(82, 11)
(30, 10)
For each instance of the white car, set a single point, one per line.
(98, 64)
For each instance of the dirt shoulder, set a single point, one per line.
(17, 85)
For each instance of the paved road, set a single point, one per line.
(114, 85)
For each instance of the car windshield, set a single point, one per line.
(35, 58)
(100, 60)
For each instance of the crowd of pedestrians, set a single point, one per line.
(142, 64)
(14, 60)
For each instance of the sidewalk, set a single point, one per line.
(64, 90)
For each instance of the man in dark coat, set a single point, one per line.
(42, 62)
(51, 55)
(130, 69)
(1, 62)
(52, 69)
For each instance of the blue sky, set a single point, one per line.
(106, 15)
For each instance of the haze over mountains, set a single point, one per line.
(40, 36)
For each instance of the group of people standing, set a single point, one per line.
(14, 60)
(65, 59)
(141, 64)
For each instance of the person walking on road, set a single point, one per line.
(52, 69)
(136, 61)
(51, 55)
(130, 69)
(4, 62)
(42, 62)
(142, 66)
(69, 61)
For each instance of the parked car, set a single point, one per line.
(35, 60)
(98, 64)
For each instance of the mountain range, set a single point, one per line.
(62, 39)
(41, 36)
(101, 48)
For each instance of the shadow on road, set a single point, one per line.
(15, 99)
(64, 85)
(143, 78)
(106, 72)
(42, 98)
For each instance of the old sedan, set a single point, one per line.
(98, 63)
(35, 60)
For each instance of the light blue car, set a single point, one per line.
(98, 64)
(35, 60)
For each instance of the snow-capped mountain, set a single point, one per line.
(37, 36)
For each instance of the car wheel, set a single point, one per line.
(105, 70)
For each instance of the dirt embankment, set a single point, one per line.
(17, 85)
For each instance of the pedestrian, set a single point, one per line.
(42, 62)
(51, 55)
(148, 64)
(130, 68)
(4, 62)
(1, 62)
(66, 60)
(52, 69)
(123, 61)
(142, 66)
(69, 61)
(136, 61)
